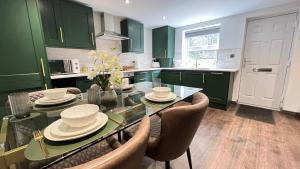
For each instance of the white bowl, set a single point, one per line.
(80, 116)
(161, 92)
(53, 94)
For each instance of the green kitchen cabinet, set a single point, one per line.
(134, 30)
(142, 76)
(24, 59)
(83, 83)
(218, 88)
(193, 78)
(51, 21)
(163, 42)
(67, 24)
(171, 77)
(155, 74)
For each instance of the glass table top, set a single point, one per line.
(127, 109)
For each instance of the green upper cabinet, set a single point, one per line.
(51, 22)
(134, 30)
(163, 42)
(67, 24)
(23, 65)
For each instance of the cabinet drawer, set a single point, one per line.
(142, 77)
(193, 79)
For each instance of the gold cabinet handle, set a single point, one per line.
(216, 73)
(61, 35)
(180, 76)
(203, 78)
(93, 41)
(165, 53)
(43, 68)
(130, 43)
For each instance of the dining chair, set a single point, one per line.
(127, 156)
(178, 126)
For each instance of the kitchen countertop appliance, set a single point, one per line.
(155, 63)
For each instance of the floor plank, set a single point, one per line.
(225, 140)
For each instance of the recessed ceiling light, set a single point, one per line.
(127, 1)
(164, 18)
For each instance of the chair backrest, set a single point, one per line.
(178, 127)
(128, 156)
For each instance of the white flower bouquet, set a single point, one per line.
(107, 69)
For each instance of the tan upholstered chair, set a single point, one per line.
(127, 156)
(178, 127)
(173, 129)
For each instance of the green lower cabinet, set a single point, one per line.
(216, 85)
(142, 77)
(171, 77)
(156, 74)
(193, 78)
(83, 84)
(218, 88)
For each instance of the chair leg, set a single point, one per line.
(120, 136)
(189, 158)
(167, 164)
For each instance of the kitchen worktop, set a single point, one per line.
(149, 69)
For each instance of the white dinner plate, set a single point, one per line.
(46, 102)
(130, 86)
(127, 87)
(100, 122)
(152, 97)
(60, 129)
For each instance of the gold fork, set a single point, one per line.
(38, 136)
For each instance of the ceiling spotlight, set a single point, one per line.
(164, 18)
(127, 1)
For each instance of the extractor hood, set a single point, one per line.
(109, 26)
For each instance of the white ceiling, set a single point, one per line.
(179, 12)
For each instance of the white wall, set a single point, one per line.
(144, 59)
(233, 30)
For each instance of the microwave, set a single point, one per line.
(64, 66)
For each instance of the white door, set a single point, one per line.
(267, 51)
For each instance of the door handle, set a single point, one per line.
(93, 41)
(43, 68)
(216, 73)
(130, 43)
(61, 35)
(203, 78)
(165, 53)
(262, 69)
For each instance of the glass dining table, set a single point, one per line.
(16, 139)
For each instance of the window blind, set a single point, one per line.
(201, 32)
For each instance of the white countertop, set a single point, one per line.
(149, 69)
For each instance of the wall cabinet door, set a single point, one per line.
(134, 30)
(52, 26)
(67, 24)
(193, 79)
(78, 31)
(171, 77)
(163, 42)
(21, 47)
(217, 86)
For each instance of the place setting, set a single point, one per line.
(54, 97)
(76, 122)
(125, 85)
(161, 95)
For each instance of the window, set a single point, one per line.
(202, 47)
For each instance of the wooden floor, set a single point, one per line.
(226, 140)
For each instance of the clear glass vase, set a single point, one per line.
(108, 98)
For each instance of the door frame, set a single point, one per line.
(292, 51)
